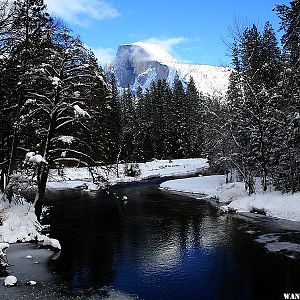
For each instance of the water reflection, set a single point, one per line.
(161, 246)
(89, 238)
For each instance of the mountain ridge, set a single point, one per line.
(139, 64)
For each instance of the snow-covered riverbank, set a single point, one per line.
(233, 195)
(19, 223)
(74, 178)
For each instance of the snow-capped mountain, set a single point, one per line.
(138, 64)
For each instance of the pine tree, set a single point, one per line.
(286, 154)
(178, 139)
(271, 58)
(24, 41)
(144, 120)
(65, 96)
(113, 121)
(252, 101)
(128, 124)
(194, 119)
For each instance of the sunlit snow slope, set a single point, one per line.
(138, 64)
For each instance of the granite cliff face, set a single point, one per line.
(139, 64)
(133, 65)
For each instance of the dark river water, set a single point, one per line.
(162, 246)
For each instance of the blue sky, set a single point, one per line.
(193, 31)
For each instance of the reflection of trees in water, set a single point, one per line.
(89, 233)
(154, 231)
(159, 229)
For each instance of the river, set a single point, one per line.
(163, 246)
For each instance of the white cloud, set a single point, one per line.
(81, 12)
(166, 44)
(104, 55)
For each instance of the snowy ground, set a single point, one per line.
(19, 224)
(273, 204)
(205, 185)
(76, 178)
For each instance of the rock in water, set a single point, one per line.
(53, 243)
(10, 280)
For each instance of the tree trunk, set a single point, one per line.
(12, 164)
(3, 180)
(40, 196)
(43, 169)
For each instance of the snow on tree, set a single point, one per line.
(287, 150)
(61, 87)
(23, 42)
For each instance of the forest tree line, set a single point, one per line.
(162, 122)
(257, 128)
(57, 104)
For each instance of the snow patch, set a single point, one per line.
(204, 185)
(19, 222)
(227, 193)
(76, 94)
(274, 204)
(10, 280)
(55, 81)
(66, 139)
(28, 155)
(31, 157)
(272, 244)
(37, 159)
(280, 246)
(30, 101)
(52, 243)
(267, 238)
(79, 112)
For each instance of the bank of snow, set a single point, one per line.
(19, 224)
(74, 178)
(273, 204)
